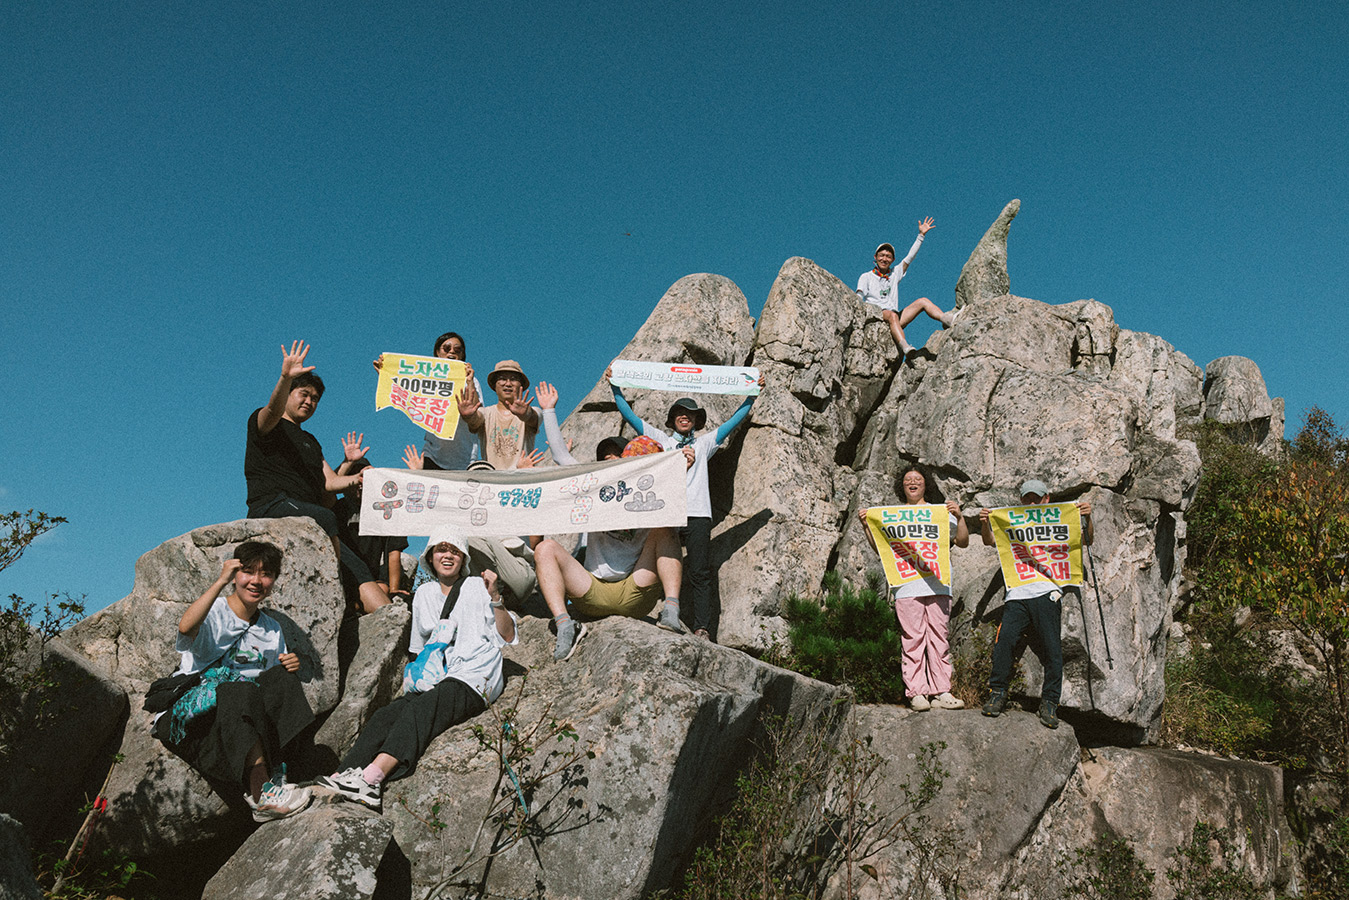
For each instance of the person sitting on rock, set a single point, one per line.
(234, 725)
(1035, 606)
(287, 474)
(684, 420)
(382, 554)
(507, 428)
(923, 607)
(625, 571)
(462, 448)
(459, 626)
(879, 287)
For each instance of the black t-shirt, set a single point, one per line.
(370, 548)
(286, 460)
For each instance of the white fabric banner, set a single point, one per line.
(686, 378)
(639, 492)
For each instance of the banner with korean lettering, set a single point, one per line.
(1039, 543)
(423, 387)
(914, 542)
(638, 492)
(685, 378)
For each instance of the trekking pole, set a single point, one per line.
(1086, 643)
(1091, 568)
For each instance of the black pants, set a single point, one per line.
(406, 727)
(270, 711)
(697, 539)
(1044, 618)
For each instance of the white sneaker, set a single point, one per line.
(949, 320)
(919, 703)
(353, 786)
(945, 700)
(278, 801)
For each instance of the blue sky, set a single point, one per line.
(189, 185)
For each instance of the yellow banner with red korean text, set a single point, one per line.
(423, 387)
(914, 542)
(1041, 543)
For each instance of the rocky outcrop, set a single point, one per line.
(984, 275)
(331, 852)
(16, 872)
(668, 720)
(374, 675)
(1235, 396)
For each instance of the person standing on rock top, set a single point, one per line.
(1035, 606)
(880, 287)
(684, 420)
(923, 607)
(287, 474)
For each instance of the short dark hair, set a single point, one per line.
(610, 445)
(435, 348)
(307, 379)
(251, 553)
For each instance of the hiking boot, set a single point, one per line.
(568, 639)
(1049, 714)
(278, 801)
(945, 700)
(919, 703)
(949, 320)
(350, 784)
(669, 619)
(997, 702)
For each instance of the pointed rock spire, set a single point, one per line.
(985, 273)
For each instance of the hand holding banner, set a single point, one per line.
(1041, 543)
(423, 387)
(914, 542)
(685, 378)
(637, 492)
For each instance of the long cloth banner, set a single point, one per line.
(685, 378)
(914, 542)
(1039, 543)
(423, 387)
(638, 492)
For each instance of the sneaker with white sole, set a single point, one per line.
(278, 801)
(568, 639)
(353, 786)
(945, 700)
(919, 703)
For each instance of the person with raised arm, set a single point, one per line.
(248, 704)
(507, 428)
(459, 625)
(684, 420)
(1035, 606)
(456, 453)
(287, 474)
(880, 288)
(625, 571)
(923, 606)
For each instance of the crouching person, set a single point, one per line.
(234, 724)
(459, 626)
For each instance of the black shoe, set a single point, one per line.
(997, 702)
(1049, 714)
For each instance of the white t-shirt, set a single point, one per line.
(455, 455)
(612, 555)
(1034, 589)
(878, 291)
(258, 649)
(930, 586)
(474, 657)
(699, 498)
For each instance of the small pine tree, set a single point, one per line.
(850, 637)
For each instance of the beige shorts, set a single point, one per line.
(617, 598)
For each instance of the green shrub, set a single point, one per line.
(1110, 870)
(849, 637)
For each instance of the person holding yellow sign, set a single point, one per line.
(1041, 553)
(913, 540)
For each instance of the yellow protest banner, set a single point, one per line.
(913, 542)
(423, 387)
(1041, 543)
